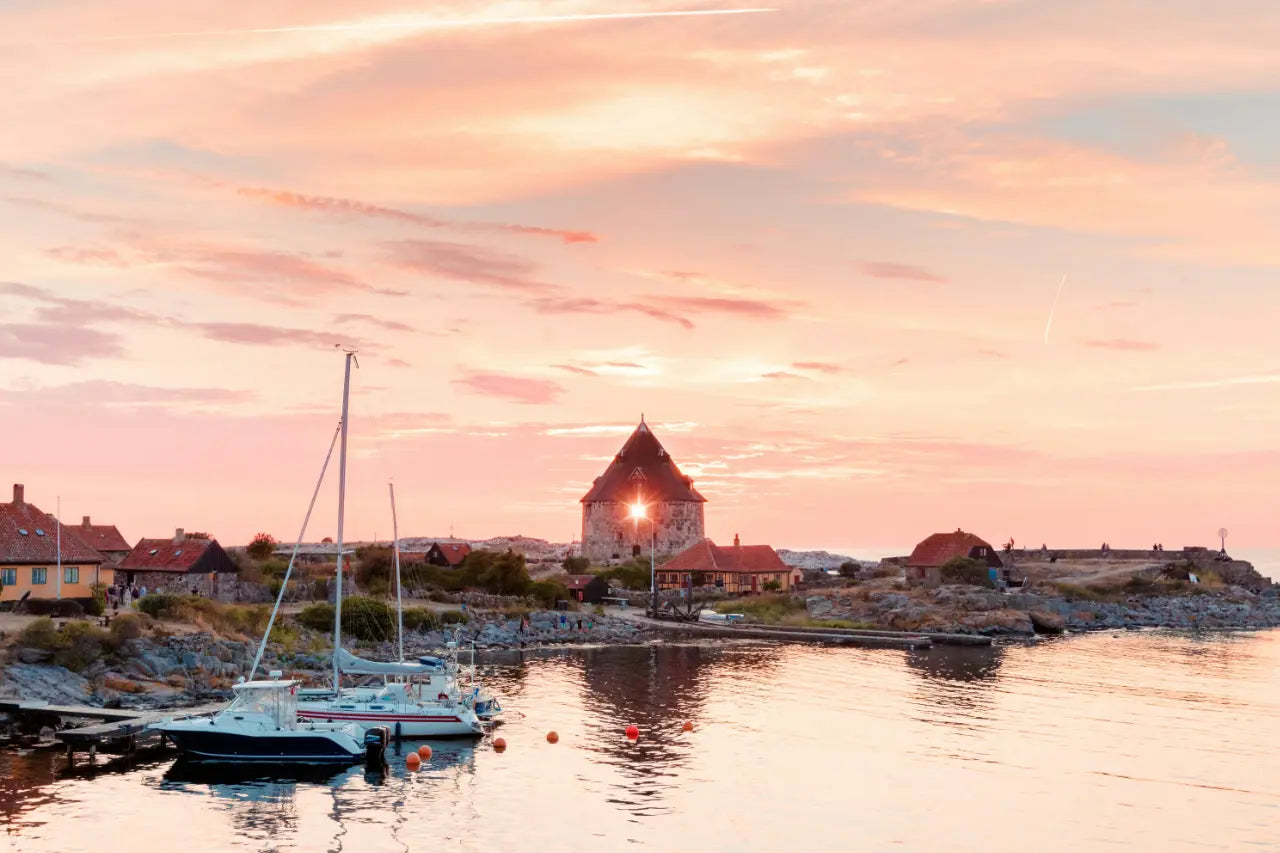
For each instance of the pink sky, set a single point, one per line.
(817, 247)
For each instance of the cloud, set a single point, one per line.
(737, 306)
(589, 305)
(22, 173)
(398, 362)
(515, 389)
(382, 323)
(888, 269)
(343, 206)
(573, 368)
(65, 318)
(818, 366)
(285, 277)
(783, 374)
(470, 264)
(87, 256)
(109, 393)
(1124, 344)
(64, 344)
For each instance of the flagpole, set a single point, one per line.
(58, 520)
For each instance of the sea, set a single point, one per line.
(1139, 740)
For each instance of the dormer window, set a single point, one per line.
(23, 531)
(39, 532)
(154, 551)
(178, 553)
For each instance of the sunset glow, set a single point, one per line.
(871, 270)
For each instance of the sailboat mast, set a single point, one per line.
(395, 531)
(342, 508)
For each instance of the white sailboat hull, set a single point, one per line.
(428, 720)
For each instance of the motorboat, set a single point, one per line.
(262, 726)
(713, 616)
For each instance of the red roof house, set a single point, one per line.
(31, 548)
(448, 554)
(740, 568)
(926, 561)
(103, 538)
(591, 589)
(180, 564)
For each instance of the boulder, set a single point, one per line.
(1045, 622)
(818, 606)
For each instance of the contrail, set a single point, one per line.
(418, 22)
(1054, 309)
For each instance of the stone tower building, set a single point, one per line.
(642, 472)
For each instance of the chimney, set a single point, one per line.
(179, 535)
(86, 521)
(18, 495)
(736, 542)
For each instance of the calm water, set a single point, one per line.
(1132, 741)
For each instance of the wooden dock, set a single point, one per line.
(885, 640)
(120, 730)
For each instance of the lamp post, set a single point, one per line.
(639, 511)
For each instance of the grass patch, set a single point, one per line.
(769, 609)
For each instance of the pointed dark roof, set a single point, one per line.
(642, 464)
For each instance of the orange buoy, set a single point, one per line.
(688, 726)
(412, 761)
(552, 737)
(499, 744)
(633, 732)
(424, 752)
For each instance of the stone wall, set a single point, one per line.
(610, 534)
(223, 587)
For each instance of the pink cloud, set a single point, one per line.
(1124, 344)
(515, 389)
(818, 366)
(909, 272)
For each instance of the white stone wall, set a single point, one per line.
(609, 532)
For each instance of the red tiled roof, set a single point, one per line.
(578, 581)
(32, 547)
(941, 547)
(165, 555)
(103, 537)
(642, 466)
(707, 556)
(454, 552)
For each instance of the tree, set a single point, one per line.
(772, 586)
(506, 575)
(373, 569)
(328, 540)
(966, 570)
(199, 534)
(576, 564)
(849, 569)
(262, 546)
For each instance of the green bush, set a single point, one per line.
(159, 605)
(127, 626)
(576, 564)
(630, 575)
(849, 569)
(506, 575)
(547, 593)
(455, 617)
(421, 619)
(40, 634)
(368, 619)
(771, 586)
(80, 644)
(317, 617)
(63, 608)
(320, 589)
(262, 546)
(966, 570)
(98, 601)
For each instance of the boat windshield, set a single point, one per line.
(277, 703)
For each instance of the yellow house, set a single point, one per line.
(30, 548)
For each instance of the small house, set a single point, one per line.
(448, 555)
(924, 566)
(743, 569)
(103, 538)
(588, 589)
(181, 565)
(31, 550)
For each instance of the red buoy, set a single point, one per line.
(552, 737)
(633, 732)
(412, 761)
(688, 726)
(499, 744)
(424, 752)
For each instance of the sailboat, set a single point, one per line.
(262, 724)
(404, 704)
